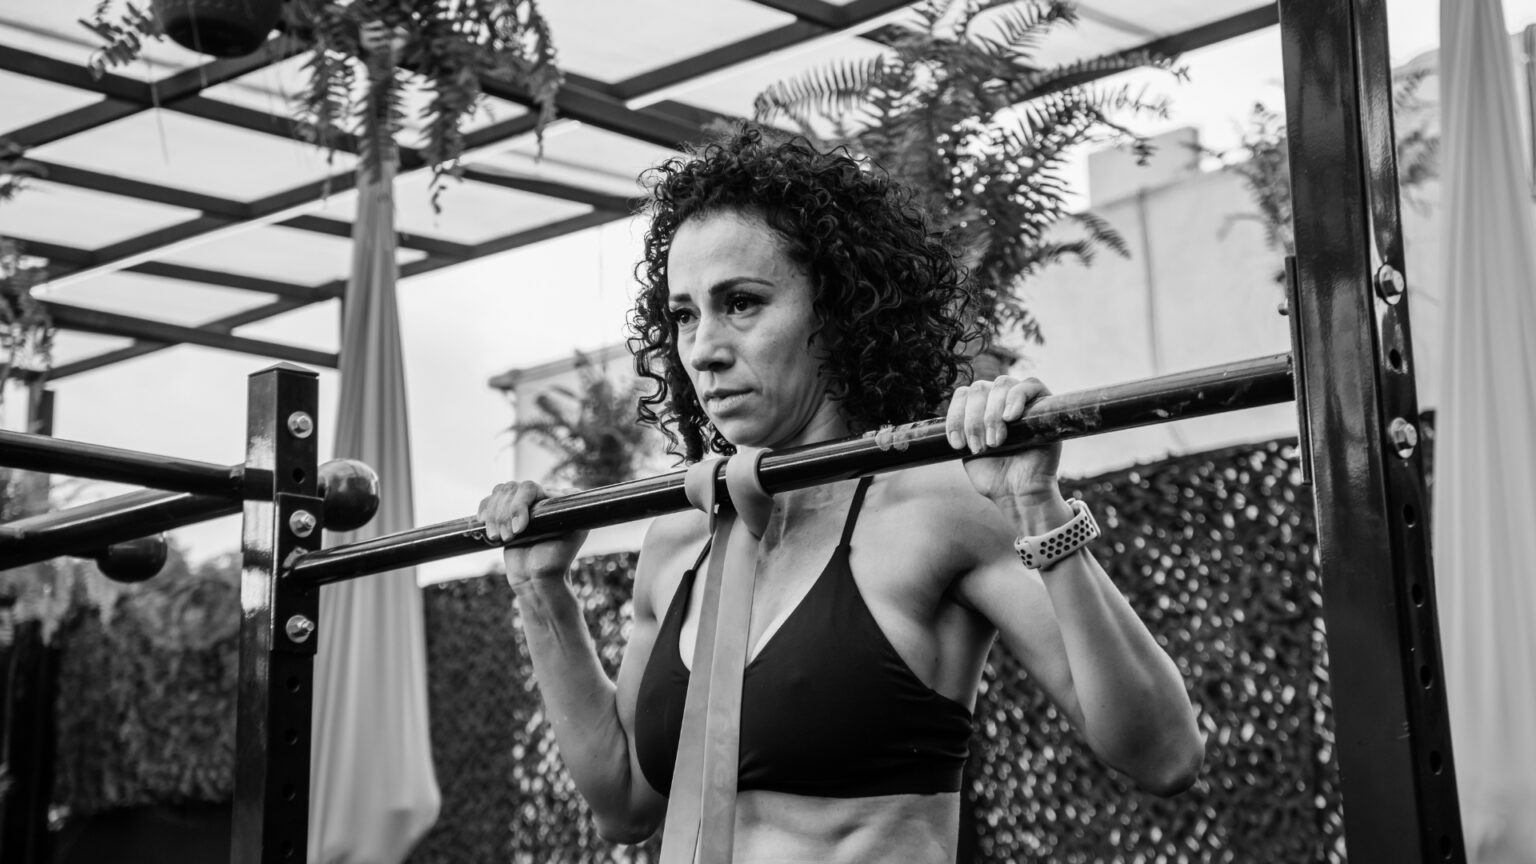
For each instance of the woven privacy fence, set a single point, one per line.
(1214, 550)
(1216, 554)
(146, 697)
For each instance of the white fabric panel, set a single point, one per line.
(1485, 466)
(374, 792)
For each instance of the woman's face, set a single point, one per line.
(744, 323)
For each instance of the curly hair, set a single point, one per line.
(889, 298)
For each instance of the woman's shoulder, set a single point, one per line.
(940, 498)
(672, 532)
(941, 490)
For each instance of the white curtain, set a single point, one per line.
(1485, 454)
(374, 793)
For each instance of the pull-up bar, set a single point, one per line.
(1246, 384)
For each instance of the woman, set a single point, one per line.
(789, 297)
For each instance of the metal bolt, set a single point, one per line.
(1405, 437)
(299, 628)
(1389, 283)
(301, 523)
(1284, 308)
(300, 424)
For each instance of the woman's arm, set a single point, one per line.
(1070, 625)
(1078, 637)
(592, 716)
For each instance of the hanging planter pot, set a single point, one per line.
(222, 28)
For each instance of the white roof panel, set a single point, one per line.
(170, 300)
(29, 100)
(177, 150)
(274, 252)
(621, 40)
(52, 212)
(72, 345)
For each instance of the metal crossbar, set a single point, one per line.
(1248, 384)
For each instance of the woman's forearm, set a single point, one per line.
(1136, 712)
(579, 699)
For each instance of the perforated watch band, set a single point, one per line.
(1043, 550)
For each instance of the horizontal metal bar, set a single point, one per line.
(51, 455)
(88, 528)
(112, 324)
(1247, 384)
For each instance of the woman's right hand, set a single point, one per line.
(505, 513)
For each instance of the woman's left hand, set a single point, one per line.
(978, 414)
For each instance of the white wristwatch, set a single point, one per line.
(1043, 550)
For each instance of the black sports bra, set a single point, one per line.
(829, 708)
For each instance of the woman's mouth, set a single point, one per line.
(723, 401)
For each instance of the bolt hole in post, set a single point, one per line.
(289, 793)
(1395, 359)
(1436, 764)
(291, 736)
(298, 475)
(289, 849)
(293, 684)
(1417, 593)
(1410, 515)
(1426, 676)
(1447, 848)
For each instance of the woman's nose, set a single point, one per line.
(711, 346)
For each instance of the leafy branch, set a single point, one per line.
(961, 112)
(26, 331)
(357, 77)
(592, 428)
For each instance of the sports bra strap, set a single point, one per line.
(853, 509)
(699, 561)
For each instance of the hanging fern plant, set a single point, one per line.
(960, 111)
(364, 54)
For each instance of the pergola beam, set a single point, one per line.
(337, 287)
(80, 258)
(112, 324)
(551, 189)
(126, 96)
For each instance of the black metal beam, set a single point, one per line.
(116, 184)
(125, 96)
(186, 273)
(88, 527)
(112, 324)
(1246, 384)
(222, 208)
(80, 258)
(1361, 414)
(551, 189)
(597, 105)
(1183, 42)
(49, 455)
(336, 287)
(825, 15)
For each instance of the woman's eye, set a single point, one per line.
(740, 302)
(680, 316)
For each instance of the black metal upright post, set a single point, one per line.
(277, 644)
(1356, 359)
